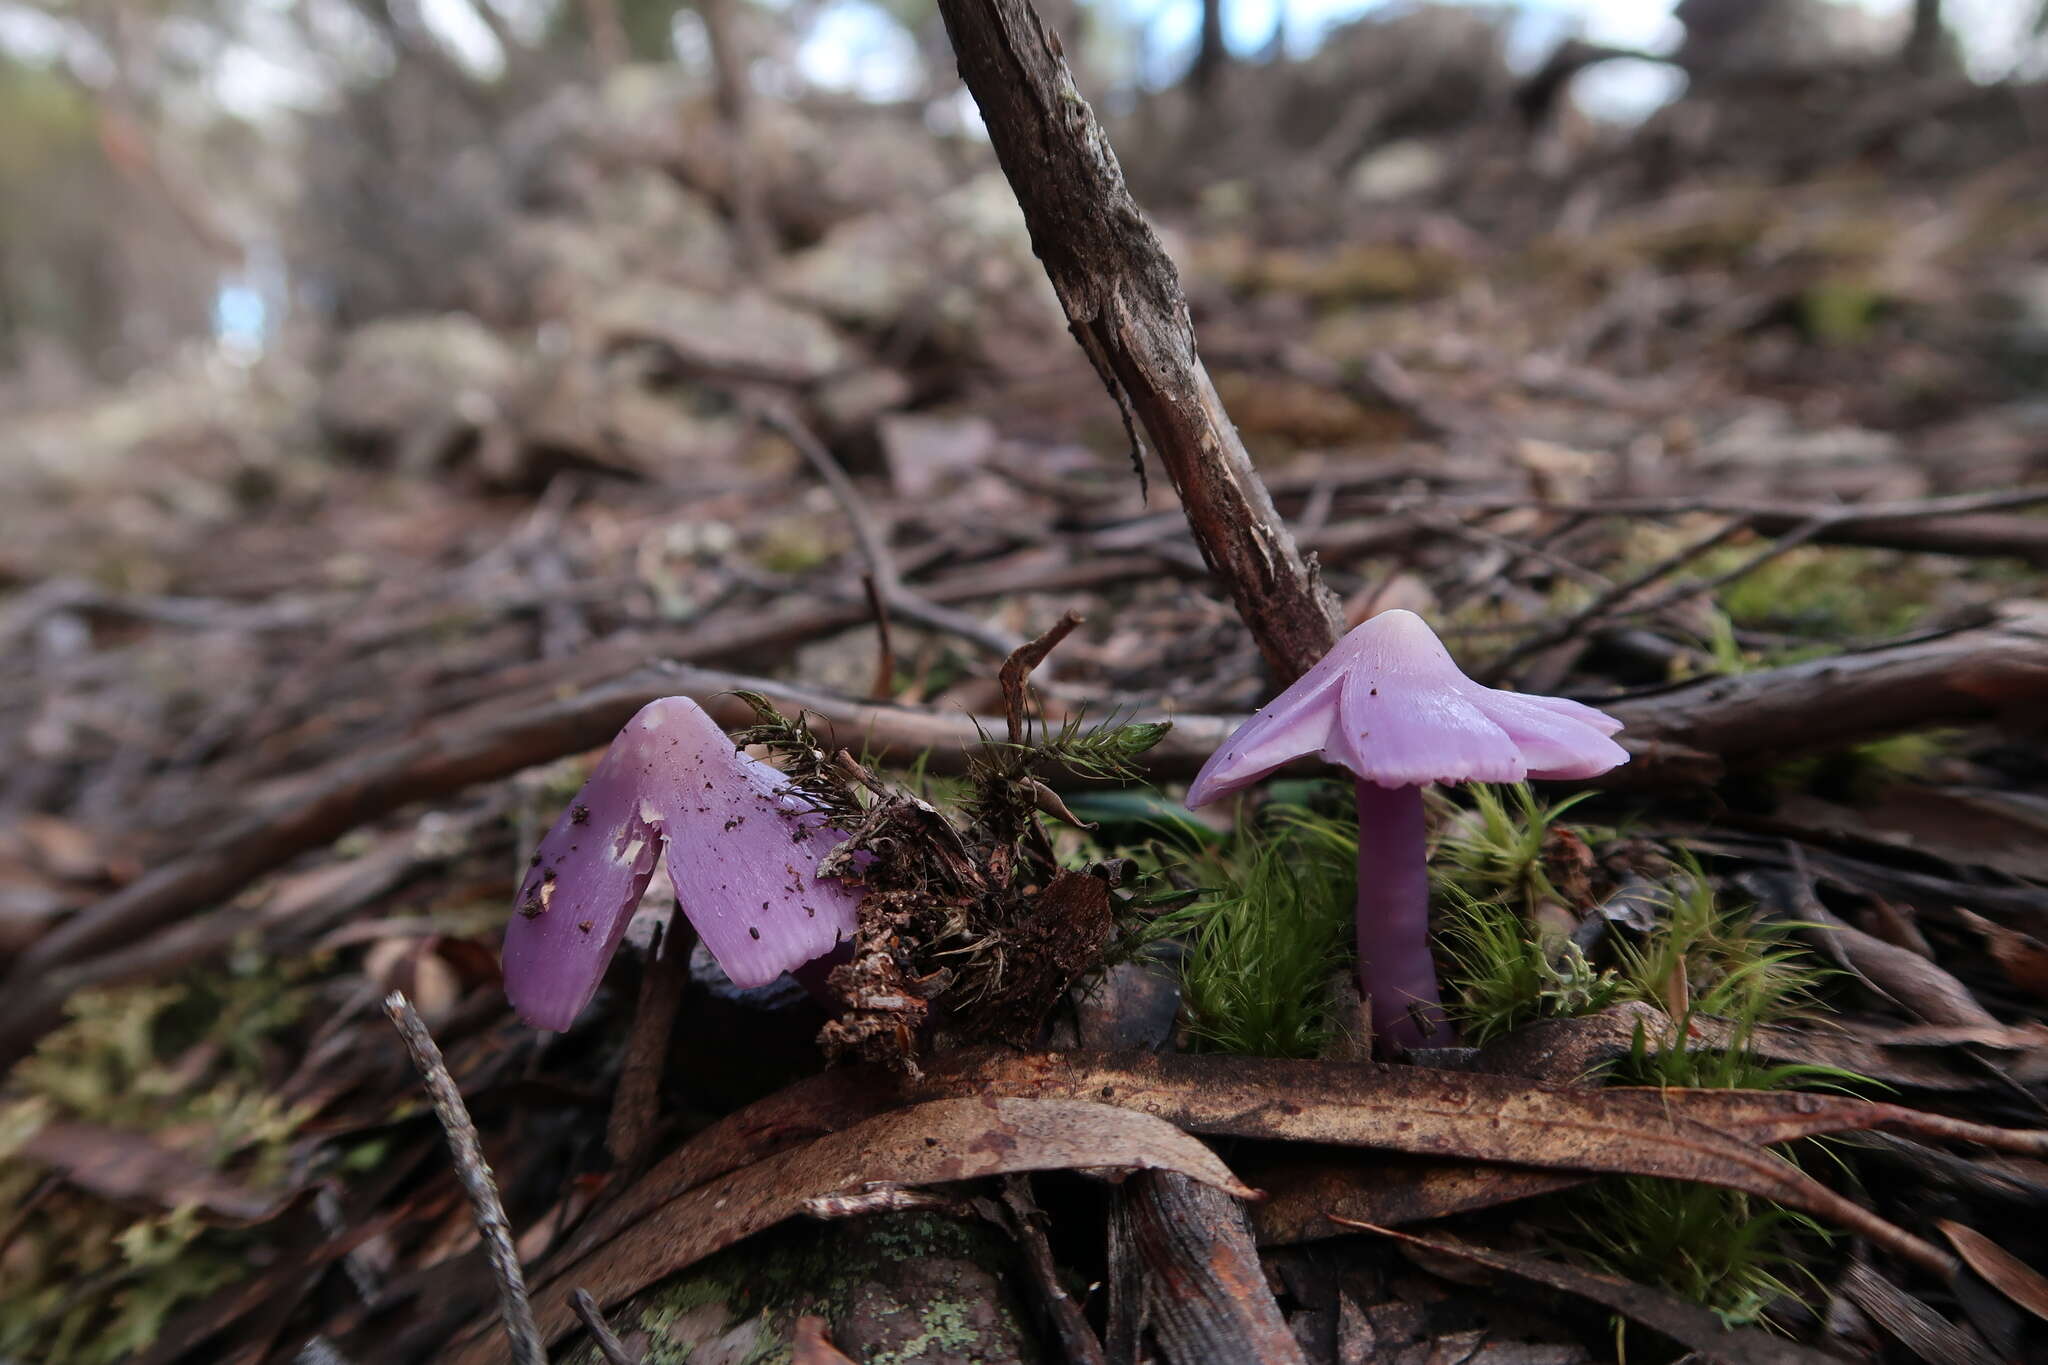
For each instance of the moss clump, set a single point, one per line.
(1268, 933)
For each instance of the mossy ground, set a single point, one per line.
(88, 1281)
(913, 1288)
(1512, 875)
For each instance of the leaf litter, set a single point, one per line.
(1677, 390)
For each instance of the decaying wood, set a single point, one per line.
(1195, 1270)
(1123, 301)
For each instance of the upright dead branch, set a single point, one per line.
(1124, 304)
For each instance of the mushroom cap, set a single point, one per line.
(1390, 704)
(742, 852)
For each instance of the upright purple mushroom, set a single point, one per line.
(743, 856)
(1390, 704)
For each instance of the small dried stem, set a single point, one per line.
(475, 1175)
(1606, 602)
(873, 544)
(1069, 1324)
(636, 1103)
(1017, 668)
(884, 686)
(608, 1344)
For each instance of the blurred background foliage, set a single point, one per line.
(174, 171)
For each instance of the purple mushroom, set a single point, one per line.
(742, 852)
(1390, 704)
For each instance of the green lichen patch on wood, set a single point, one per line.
(897, 1289)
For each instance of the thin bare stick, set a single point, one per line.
(1479, 535)
(608, 1344)
(475, 1174)
(884, 686)
(1595, 611)
(1124, 305)
(1069, 1324)
(636, 1102)
(1783, 545)
(1017, 668)
(874, 545)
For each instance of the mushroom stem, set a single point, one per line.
(1394, 967)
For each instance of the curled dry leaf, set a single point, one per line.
(931, 1143)
(1900, 973)
(1694, 1327)
(2023, 957)
(2002, 1270)
(1711, 1136)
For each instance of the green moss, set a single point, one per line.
(1268, 934)
(1861, 768)
(797, 544)
(90, 1282)
(947, 1330)
(1825, 593)
(1840, 311)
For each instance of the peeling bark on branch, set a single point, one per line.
(1123, 301)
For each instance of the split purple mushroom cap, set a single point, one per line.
(1390, 704)
(743, 854)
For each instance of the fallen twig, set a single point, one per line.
(636, 1102)
(475, 1175)
(601, 1334)
(1124, 305)
(884, 686)
(1077, 1339)
(874, 544)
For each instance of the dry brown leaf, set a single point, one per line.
(1307, 1192)
(74, 853)
(810, 1346)
(131, 1168)
(2023, 957)
(2000, 1269)
(1692, 1326)
(1572, 1051)
(1922, 987)
(1701, 1135)
(1921, 1330)
(931, 1143)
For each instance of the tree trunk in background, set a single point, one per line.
(607, 33)
(1212, 54)
(1923, 45)
(735, 106)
